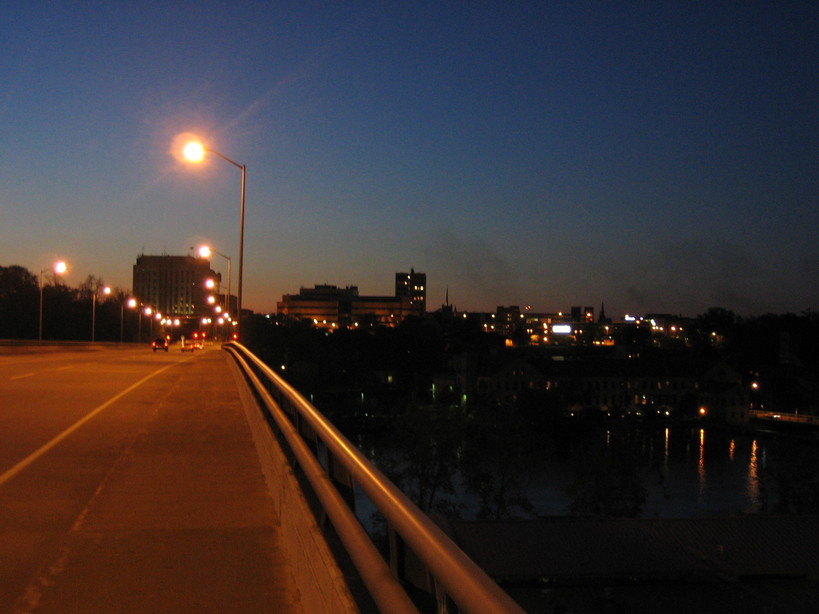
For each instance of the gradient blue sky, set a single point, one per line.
(655, 156)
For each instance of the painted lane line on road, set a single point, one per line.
(5, 477)
(23, 376)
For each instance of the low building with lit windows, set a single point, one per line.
(331, 307)
(643, 388)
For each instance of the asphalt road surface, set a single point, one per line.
(129, 483)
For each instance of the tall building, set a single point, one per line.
(174, 285)
(413, 286)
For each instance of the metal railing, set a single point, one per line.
(784, 417)
(327, 460)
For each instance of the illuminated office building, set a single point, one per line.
(414, 286)
(174, 285)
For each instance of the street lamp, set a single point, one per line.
(106, 290)
(150, 313)
(195, 151)
(132, 304)
(59, 268)
(205, 252)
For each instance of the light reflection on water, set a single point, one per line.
(698, 473)
(752, 482)
(685, 472)
(701, 468)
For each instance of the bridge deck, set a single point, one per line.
(182, 522)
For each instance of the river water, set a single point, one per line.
(681, 472)
(685, 473)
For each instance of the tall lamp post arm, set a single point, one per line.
(241, 250)
(243, 168)
(193, 151)
(40, 334)
(225, 158)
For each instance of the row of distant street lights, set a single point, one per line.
(223, 313)
(60, 267)
(192, 151)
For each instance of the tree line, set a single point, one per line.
(68, 313)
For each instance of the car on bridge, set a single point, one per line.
(196, 342)
(160, 343)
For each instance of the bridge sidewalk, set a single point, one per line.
(184, 522)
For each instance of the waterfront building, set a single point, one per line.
(663, 389)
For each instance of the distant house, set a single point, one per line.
(510, 381)
(723, 396)
(649, 388)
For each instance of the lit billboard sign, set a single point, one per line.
(562, 329)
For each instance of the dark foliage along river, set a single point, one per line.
(500, 471)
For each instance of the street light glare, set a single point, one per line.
(60, 267)
(204, 252)
(194, 151)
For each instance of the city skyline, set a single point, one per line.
(652, 158)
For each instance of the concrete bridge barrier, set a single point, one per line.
(311, 470)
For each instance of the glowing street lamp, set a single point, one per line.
(132, 304)
(106, 291)
(149, 313)
(195, 151)
(205, 252)
(59, 268)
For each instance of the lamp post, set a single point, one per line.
(205, 252)
(59, 268)
(195, 152)
(135, 304)
(149, 312)
(132, 303)
(106, 290)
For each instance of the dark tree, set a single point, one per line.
(19, 303)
